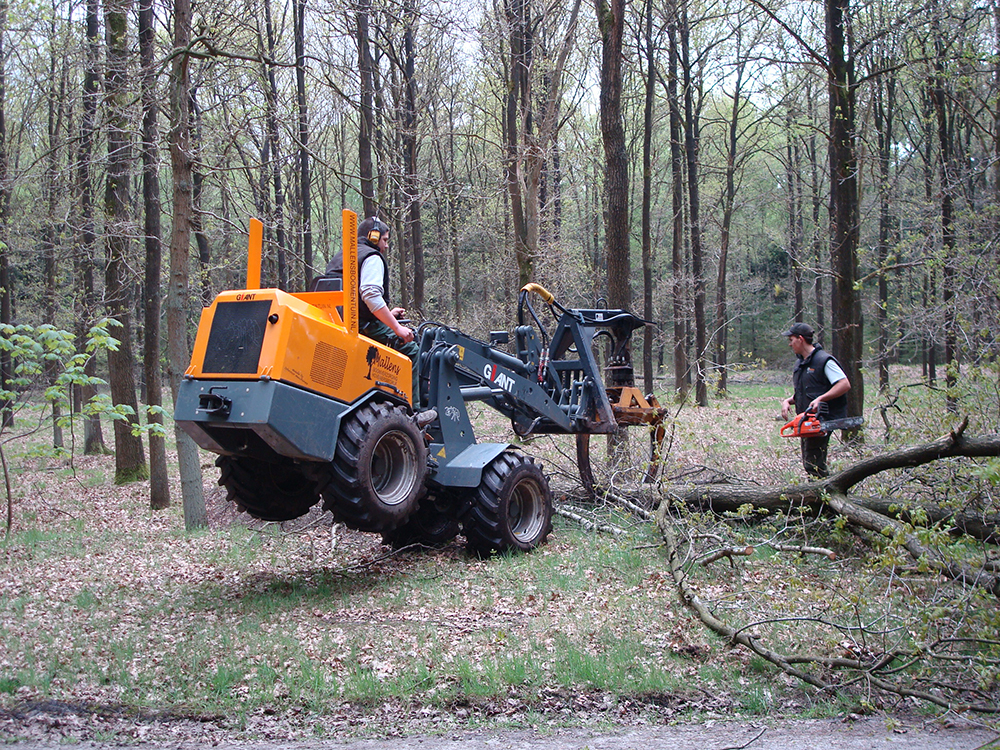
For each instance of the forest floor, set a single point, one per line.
(850, 733)
(119, 629)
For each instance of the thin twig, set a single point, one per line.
(746, 744)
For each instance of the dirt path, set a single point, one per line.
(827, 734)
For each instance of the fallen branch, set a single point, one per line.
(831, 494)
(564, 511)
(691, 600)
(952, 445)
(785, 662)
(890, 527)
(804, 550)
(729, 552)
(983, 528)
(746, 744)
(632, 507)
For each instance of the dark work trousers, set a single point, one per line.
(383, 334)
(814, 455)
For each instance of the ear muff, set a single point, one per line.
(372, 230)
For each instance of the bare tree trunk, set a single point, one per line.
(456, 265)
(178, 353)
(444, 150)
(365, 65)
(844, 205)
(883, 106)
(159, 485)
(411, 180)
(93, 435)
(948, 182)
(305, 195)
(729, 201)
(517, 105)
(531, 122)
(50, 230)
(556, 210)
(272, 165)
(647, 198)
(677, 240)
(6, 317)
(794, 249)
(996, 95)
(611, 21)
(929, 299)
(130, 461)
(197, 215)
(378, 119)
(817, 235)
(692, 130)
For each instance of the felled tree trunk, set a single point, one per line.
(832, 495)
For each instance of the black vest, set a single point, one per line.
(810, 382)
(336, 268)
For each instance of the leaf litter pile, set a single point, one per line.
(117, 623)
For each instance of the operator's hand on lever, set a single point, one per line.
(390, 319)
(405, 333)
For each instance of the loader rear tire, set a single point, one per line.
(512, 507)
(431, 525)
(269, 491)
(377, 474)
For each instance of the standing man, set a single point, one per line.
(375, 319)
(820, 388)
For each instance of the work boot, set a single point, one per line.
(424, 418)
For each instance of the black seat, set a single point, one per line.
(327, 284)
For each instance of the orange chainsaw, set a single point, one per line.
(809, 424)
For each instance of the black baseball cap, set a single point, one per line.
(800, 329)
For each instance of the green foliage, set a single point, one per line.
(46, 349)
(772, 263)
(46, 361)
(988, 471)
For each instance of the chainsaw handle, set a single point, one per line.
(789, 430)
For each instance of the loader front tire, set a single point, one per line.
(266, 490)
(512, 507)
(377, 474)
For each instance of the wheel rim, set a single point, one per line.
(526, 511)
(394, 470)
